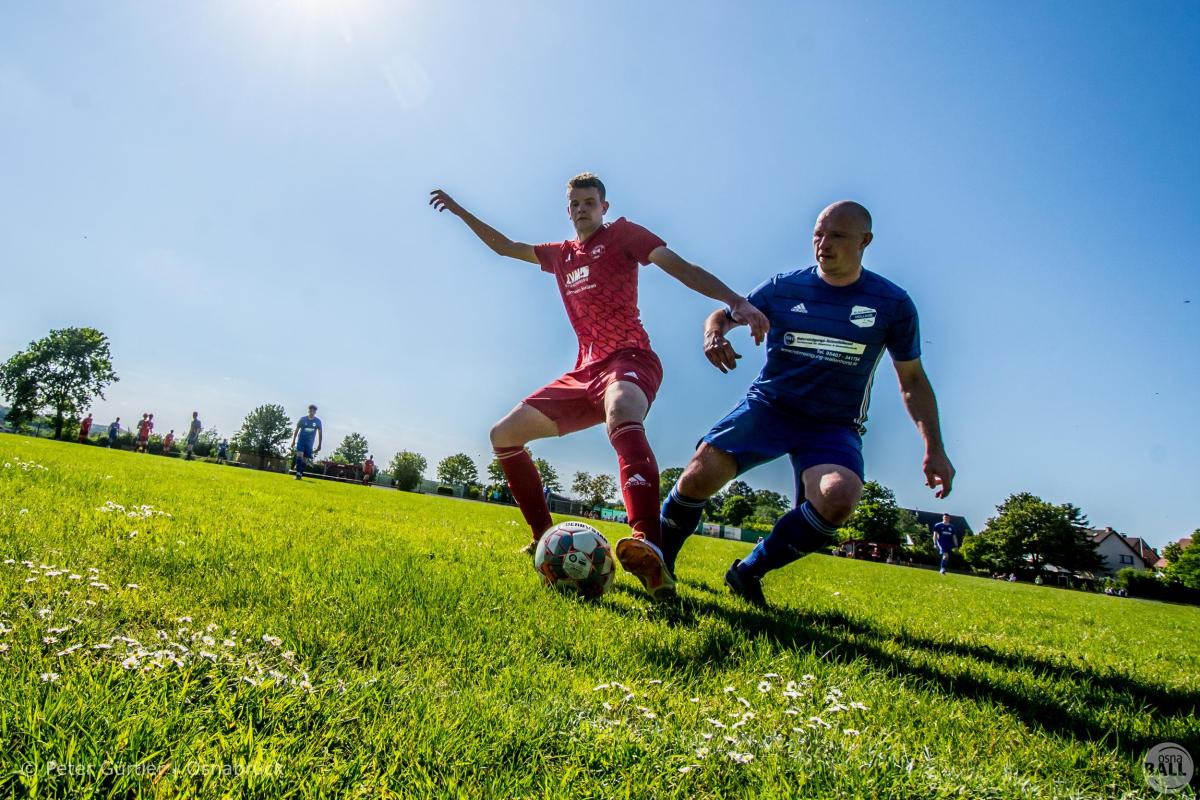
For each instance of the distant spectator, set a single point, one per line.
(85, 427)
(114, 428)
(223, 451)
(368, 470)
(168, 440)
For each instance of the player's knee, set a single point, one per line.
(837, 493)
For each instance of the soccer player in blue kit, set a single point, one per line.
(307, 428)
(830, 324)
(944, 540)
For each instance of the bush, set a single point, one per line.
(1145, 584)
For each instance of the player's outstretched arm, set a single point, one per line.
(917, 393)
(497, 241)
(701, 280)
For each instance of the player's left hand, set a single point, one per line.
(744, 313)
(719, 351)
(939, 473)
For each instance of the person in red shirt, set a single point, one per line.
(85, 426)
(168, 440)
(144, 428)
(616, 374)
(368, 470)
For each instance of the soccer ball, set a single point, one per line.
(573, 556)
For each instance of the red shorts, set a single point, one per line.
(576, 400)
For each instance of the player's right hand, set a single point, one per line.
(443, 202)
(719, 351)
(744, 313)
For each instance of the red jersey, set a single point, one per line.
(168, 440)
(598, 282)
(369, 467)
(144, 428)
(85, 425)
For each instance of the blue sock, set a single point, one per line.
(797, 533)
(679, 518)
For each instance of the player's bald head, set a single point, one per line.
(848, 212)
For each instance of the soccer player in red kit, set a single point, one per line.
(616, 374)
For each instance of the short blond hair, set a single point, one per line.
(587, 180)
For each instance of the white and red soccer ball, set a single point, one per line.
(574, 556)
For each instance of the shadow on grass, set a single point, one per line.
(1058, 696)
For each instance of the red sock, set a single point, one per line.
(526, 486)
(639, 479)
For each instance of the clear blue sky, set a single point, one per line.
(235, 193)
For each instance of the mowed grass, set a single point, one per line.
(275, 638)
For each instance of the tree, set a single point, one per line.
(769, 506)
(458, 469)
(549, 475)
(876, 518)
(1173, 551)
(667, 480)
(265, 431)
(353, 449)
(1185, 569)
(1029, 530)
(63, 371)
(593, 490)
(740, 488)
(736, 509)
(407, 470)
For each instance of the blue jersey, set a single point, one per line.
(944, 532)
(826, 341)
(308, 428)
(113, 429)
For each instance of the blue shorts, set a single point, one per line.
(755, 433)
(304, 448)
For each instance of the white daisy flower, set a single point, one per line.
(716, 723)
(102, 646)
(850, 732)
(44, 612)
(741, 758)
(600, 688)
(857, 706)
(50, 677)
(49, 639)
(274, 641)
(131, 663)
(764, 686)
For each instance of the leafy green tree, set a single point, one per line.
(737, 509)
(667, 479)
(265, 432)
(458, 469)
(407, 470)
(549, 475)
(1185, 569)
(909, 529)
(769, 506)
(740, 488)
(353, 449)
(63, 371)
(876, 518)
(1029, 530)
(1173, 551)
(593, 490)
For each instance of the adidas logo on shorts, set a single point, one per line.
(799, 309)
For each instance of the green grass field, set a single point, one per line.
(264, 637)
